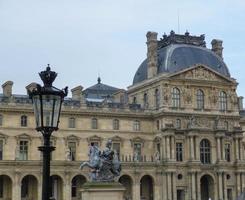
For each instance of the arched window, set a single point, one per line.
(145, 99)
(136, 125)
(157, 98)
(72, 122)
(115, 124)
(178, 123)
(200, 99)
(176, 97)
(23, 120)
(205, 151)
(94, 124)
(222, 101)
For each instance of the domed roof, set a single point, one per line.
(175, 57)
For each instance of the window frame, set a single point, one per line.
(200, 99)
(116, 124)
(175, 97)
(23, 121)
(72, 122)
(94, 123)
(227, 149)
(136, 125)
(205, 151)
(223, 101)
(23, 152)
(179, 151)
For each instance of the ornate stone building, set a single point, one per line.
(177, 130)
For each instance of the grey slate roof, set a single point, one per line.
(99, 91)
(176, 57)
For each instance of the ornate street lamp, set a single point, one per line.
(47, 101)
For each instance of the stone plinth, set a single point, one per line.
(102, 191)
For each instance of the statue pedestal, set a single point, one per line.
(102, 191)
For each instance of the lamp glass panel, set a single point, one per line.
(51, 109)
(37, 110)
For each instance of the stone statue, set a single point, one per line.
(105, 164)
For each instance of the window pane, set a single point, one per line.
(175, 97)
(200, 99)
(23, 150)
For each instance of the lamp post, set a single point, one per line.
(47, 101)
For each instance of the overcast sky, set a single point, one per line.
(83, 38)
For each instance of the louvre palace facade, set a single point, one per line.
(178, 130)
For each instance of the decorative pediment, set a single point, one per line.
(137, 140)
(3, 137)
(23, 136)
(72, 138)
(200, 72)
(117, 139)
(94, 138)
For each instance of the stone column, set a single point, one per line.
(67, 187)
(16, 191)
(174, 186)
(136, 190)
(241, 149)
(169, 185)
(220, 184)
(223, 147)
(193, 186)
(198, 186)
(243, 181)
(172, 148)
(218, 149)
(157, 188)
(164, 186)
(168, 147)
(192, 148)
(238, 184)
(237, 149)
(197, 149)
(225, 186)
(164, 148)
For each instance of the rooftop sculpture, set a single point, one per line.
(105, 164)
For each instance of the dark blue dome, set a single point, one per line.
(176, 57)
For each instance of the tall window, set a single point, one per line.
(157, 98)
(136, 125)
(176, 97)
(222, 101)
(1, 120)
(1, 149)
(72, 122)
(23, 150)
(205, 151)
(158, 125)
(23, 120)
(94, 123)
(72, 148)
(200, 99)
(115, 124)
(116, 148)
(179, 151)
(145, 100)
(137, 151)
(178, 123)
(227, 152)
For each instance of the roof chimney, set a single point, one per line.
(217, 47)
(7, 88)
(77, 93)
(151, 54)
(31, 86)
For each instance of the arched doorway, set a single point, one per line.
(127, 182)
(56, 187)
(5, 187)
(207, 187)
(146, 188)
(76, 184)
(29, 187)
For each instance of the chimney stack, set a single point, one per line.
(31, 86)
(217, 47)
(151, 54)
(7, 88)
(77, 93)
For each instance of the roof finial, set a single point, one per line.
(99, 80)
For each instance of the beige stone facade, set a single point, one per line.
(179, 137)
